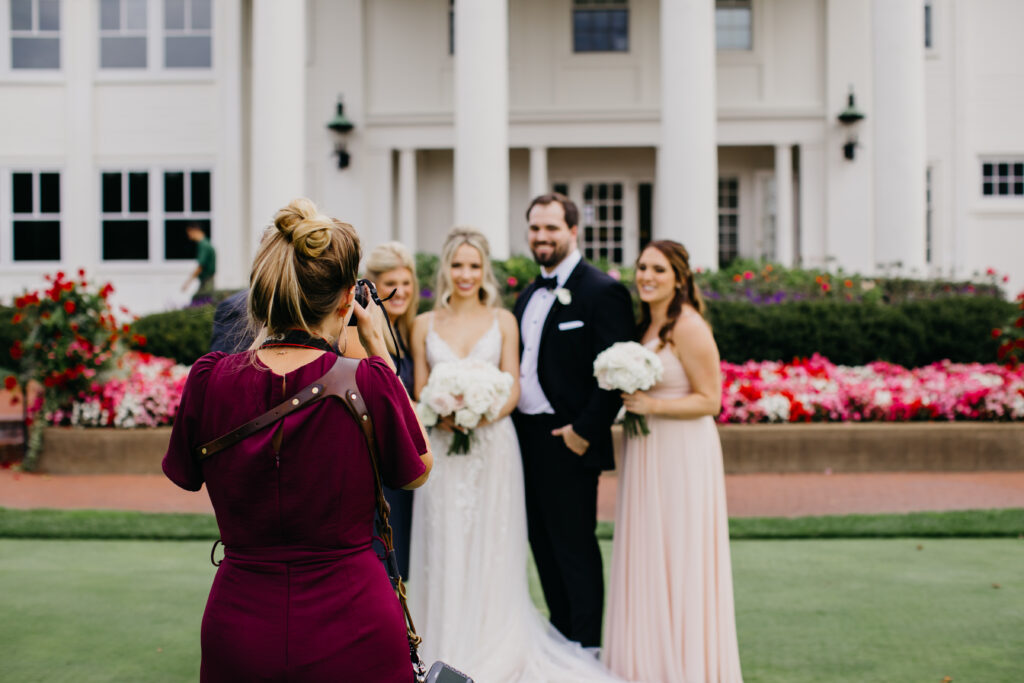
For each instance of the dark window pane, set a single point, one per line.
(111, 192)
(588, 234)
(986, 169)
(110, 15)
(617, 191)
(561, 188)
(602, 252)
(617, 234)
(138, 192)
(35, 53)
(21, 190)
(602, 191)
(588, 254)
(36, 240)
(1004, 188)
(1018, 188)
(1004, 169)
(201, 15)
(187, 52)
(617, 255)
(646, 197)
(617, 212)
(1018, 169)
(201, 191)
(588, 191)
(986, 188)
(21, 15)
(49, 192)
(123, 53)
(177, 245)
(602, 212)
(602, 234)
(49, 15)
(174, 15)
(125, 240)
(174, 192)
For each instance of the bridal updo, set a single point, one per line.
(305, 264)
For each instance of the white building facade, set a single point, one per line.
(715, 123)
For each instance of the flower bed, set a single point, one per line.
(815, 390)
(143, 390)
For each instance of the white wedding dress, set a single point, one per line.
(468, 593)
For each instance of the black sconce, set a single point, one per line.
(849, 117)
(341, 125)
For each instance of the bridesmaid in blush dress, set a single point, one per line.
(670, 607)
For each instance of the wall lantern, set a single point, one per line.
(849, 117)
(341, 125)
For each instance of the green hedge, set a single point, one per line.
(183, 335)
(911, 334)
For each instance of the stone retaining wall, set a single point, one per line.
(842, 447)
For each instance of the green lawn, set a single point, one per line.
(822, 611)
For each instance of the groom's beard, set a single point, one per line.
(557, 255)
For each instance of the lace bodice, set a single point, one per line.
(486, 348)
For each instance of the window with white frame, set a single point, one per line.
(1002, 178)
(733, 25)
(928, 15)
(188, 34)
(602, 220)
(186, 203)
(124, 205)
(123, 34)
(35, 34)
(35, 215)
(600, 26)
(728, 220)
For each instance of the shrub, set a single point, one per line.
(183, 335)
(911, 334)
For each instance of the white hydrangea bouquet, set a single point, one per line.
(469, 391)
(628, 367)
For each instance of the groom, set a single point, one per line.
(567, 316)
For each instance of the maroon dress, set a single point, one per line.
(300, 595)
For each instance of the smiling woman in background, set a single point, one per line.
(391, 268)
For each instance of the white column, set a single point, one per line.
(899, 140)
(784, 204)
(539, 172)
(481, 120)
(686, 206)
(277, 134)
(232, 230)
(80, 181)
(407, 198)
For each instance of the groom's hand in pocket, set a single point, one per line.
(573, 441)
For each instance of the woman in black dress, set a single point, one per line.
(391, 268)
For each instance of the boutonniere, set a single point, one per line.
(564, 296)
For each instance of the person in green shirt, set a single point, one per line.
(206, 266)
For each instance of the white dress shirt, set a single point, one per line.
(532, 400)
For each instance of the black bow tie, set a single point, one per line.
(546, 282)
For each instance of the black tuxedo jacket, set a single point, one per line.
(600, 314)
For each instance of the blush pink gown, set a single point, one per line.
(670, 605)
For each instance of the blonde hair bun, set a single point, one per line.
(308, 230)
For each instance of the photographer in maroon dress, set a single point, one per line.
(300, 594)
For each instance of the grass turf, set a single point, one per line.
(117, 524)
(836, 611)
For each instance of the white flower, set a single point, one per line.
(467, 418)
(564, 296)
(628, 367)
(469, 390)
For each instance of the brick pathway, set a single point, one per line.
(749, 495)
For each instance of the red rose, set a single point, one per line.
(1019, 322)
(10, 382)
(60, 275)
(17, 319)
(69, 307)
(996, 333)
(81, 272)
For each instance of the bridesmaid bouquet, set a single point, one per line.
(628, 367)
(469, 391)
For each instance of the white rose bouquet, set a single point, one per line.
(628, 367)
(468, 390)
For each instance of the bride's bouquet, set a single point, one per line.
(468, 390)
(628, 367)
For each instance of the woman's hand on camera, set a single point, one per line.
(370, 324)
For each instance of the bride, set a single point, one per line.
(470, 597)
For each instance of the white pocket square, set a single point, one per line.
(570, 325)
